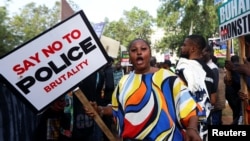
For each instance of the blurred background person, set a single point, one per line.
(216, 113)
(232, 87)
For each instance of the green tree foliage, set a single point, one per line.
(136, 23)
(5, 35)
(32, 20)
(179, 18)
(117, 30)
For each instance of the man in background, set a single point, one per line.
(216, 113)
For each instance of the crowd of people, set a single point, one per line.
(136, 94)
(151, 103)
(150, 100)
(235, 95)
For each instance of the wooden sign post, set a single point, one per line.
(243, 84)
(228, 58)
(79, 94)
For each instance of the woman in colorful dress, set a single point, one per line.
(151, 104)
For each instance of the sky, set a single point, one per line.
(95, 10)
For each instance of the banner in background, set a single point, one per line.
(125, 59)
(220, 47)
(111, 46)
(99, 27)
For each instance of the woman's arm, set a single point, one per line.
(192, 133)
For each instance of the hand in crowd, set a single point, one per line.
(243, 68)
(228, 80)
(229, 65)
(192, 135)
(89, 112)
(243, 96)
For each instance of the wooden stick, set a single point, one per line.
(228, 58)
(80, 95)
(243, 84)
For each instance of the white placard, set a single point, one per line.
(54, 62)
(234, 17)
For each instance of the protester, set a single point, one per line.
(216, 113)
(129, 69)
(243, 68)
(98, 133)
(109, 86)
(153, 61)
(151, 103)
(232, 87)
(244, 71)
(75, 124)
(166, 65)
(118, 73)
(67, 119)
(235, 103)
(198, 77)
(48, 128)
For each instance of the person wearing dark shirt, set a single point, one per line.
(109, 86)
(48, 128)
(75, 124)
(232, 87)
(216, 113)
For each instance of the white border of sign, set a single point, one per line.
(218, 2)
(234, 17)
(54, 62)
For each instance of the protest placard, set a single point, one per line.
(234, 17)
(54, 62)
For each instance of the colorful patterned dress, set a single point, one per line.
(153, 107)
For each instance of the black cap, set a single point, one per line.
(168, 62)
(110, 59)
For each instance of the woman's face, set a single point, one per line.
(140, 54)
